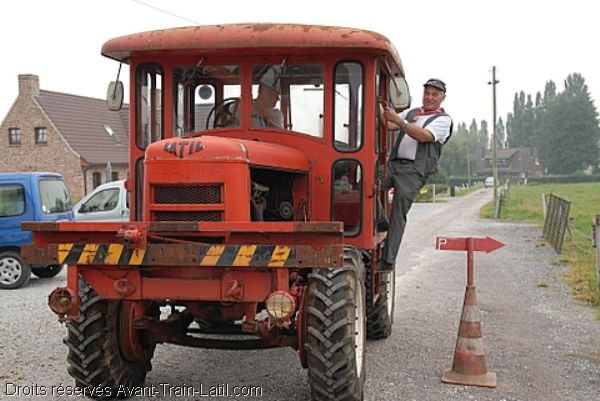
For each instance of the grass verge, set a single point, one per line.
(524, 202)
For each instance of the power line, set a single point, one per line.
(165, 12)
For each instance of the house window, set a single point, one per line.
(114, 176)
(41, 136)
(96, 179)
(14, 136)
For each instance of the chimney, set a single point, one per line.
(29, 85)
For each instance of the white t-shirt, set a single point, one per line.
(439, 128)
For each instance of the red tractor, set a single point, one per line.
(256, 155)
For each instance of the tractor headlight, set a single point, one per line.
(281, 305)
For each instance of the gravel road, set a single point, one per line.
(542, 344)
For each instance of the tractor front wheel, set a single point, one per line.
(107, 357)
(335, 331)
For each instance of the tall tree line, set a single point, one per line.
(561, 126)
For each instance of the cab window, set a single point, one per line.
(288, 97)
(149, 105)
(205, 97)
(348, 106)
(346, 195)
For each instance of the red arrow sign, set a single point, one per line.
(486, 244)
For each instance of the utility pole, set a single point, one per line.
(469, 159)
(493, 82)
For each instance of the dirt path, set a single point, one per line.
(542, 344)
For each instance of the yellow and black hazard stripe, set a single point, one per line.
(179, 254)
(104, 254)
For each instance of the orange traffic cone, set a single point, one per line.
(469, 366)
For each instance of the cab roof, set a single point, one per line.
(257, 38)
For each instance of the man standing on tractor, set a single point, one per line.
(422, 132)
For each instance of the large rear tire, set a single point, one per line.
(335, 331)
(380, 315)
(97, 358)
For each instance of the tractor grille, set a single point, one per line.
(191, 194)
(210, 215)
(188, 202)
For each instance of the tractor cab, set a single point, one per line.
(311, 89)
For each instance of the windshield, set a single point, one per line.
(103, 201)
(54, 196)
(283, 98)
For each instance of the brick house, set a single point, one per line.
(73, 135)
(515, 165)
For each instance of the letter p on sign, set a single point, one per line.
(440, 242)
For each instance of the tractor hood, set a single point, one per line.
(220, 149)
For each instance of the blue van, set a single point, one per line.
(38, 196)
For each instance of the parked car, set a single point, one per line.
(107, 202)
(489, 182)
(29, 196)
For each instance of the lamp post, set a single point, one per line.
(493, 82)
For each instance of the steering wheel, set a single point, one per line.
(222, 114)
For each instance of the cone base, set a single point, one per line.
(486, 380)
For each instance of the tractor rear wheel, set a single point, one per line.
(380, 314)
(335, 331)
(107, 357)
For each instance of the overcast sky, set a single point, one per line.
(529, 42)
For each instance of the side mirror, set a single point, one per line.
(399, 93)
(114, 96)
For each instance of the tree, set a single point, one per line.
(520, 124)
(528, 124)
(454, 153)
(473, 136)
(571, 130)
(500, 134)
(514, 128)
(483, 136)
(542, 103)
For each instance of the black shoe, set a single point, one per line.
(384, 266)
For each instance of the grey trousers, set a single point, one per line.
(407, 181)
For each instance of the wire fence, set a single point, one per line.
(556, 222)
(502, 192)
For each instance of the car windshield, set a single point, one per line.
(102, 201)
(54, 196)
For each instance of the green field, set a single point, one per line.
(524, 202)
